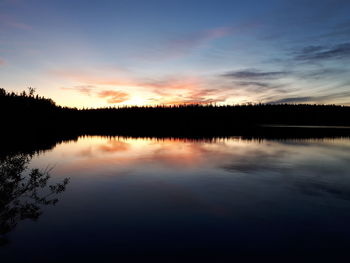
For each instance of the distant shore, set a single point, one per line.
(27, 113)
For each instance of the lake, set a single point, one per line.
(177, 199)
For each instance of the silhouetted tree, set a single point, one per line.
(31, 91)
(28, 112)
(23, 193)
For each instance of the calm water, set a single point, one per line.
(175, 200)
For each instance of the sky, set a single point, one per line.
(102, 53)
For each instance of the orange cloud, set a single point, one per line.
(189, 101)
(2, 62)
(170, 85)
(169, 90)
(89, 79)
(114, 96)
(115, 146)
(198, 96)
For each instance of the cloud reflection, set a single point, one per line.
(298, 165)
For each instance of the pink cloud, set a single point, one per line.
(166, 90)
(92, 78)
(190, 41)
(113, 96)
(19, 25)
(186, 44)
(201, 96)
(160, 86)
(2, 62)
(84, 89)
(13, 22)
(171, 84)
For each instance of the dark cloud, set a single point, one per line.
(314, 99)
(254, 74)
(315, 186)
(257, 86)
(256, 161)
(254, 83)
(321, 73)
(292, 100)
(340, 31)
(334, 96)
(317, 53)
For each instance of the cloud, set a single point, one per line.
(317, 53)
(113, 96)
(292, 100)
(163, 90)
(173, 89)
(14, 23)
(326, 98)
(171, 84)
(179, 89)
(256, 161)
(254, 83)
(341, 30)
(200, 96)
(84, 89)
(322, 73)
(179, 46)
(191, 41)
(87, 77)
(256, 86)
(189, 100)
(254, 74)
(114, 146)
(11, 2)
(2, 62)
(251, 82)
(95, 78)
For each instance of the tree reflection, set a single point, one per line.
(23, 192)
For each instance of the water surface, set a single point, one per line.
(134, 199)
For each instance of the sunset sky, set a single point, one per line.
(141, 52)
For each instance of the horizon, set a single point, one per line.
(174, 130)
(133, 53)
(26, 94)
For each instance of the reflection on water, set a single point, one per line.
(23, 193)
(194, 199)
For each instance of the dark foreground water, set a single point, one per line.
(177, 200)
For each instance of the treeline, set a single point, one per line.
(27, 112)
(25, 99)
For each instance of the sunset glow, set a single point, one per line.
(174, 130)
(225, 52)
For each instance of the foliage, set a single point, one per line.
(23, 191)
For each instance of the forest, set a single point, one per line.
(28, 113)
